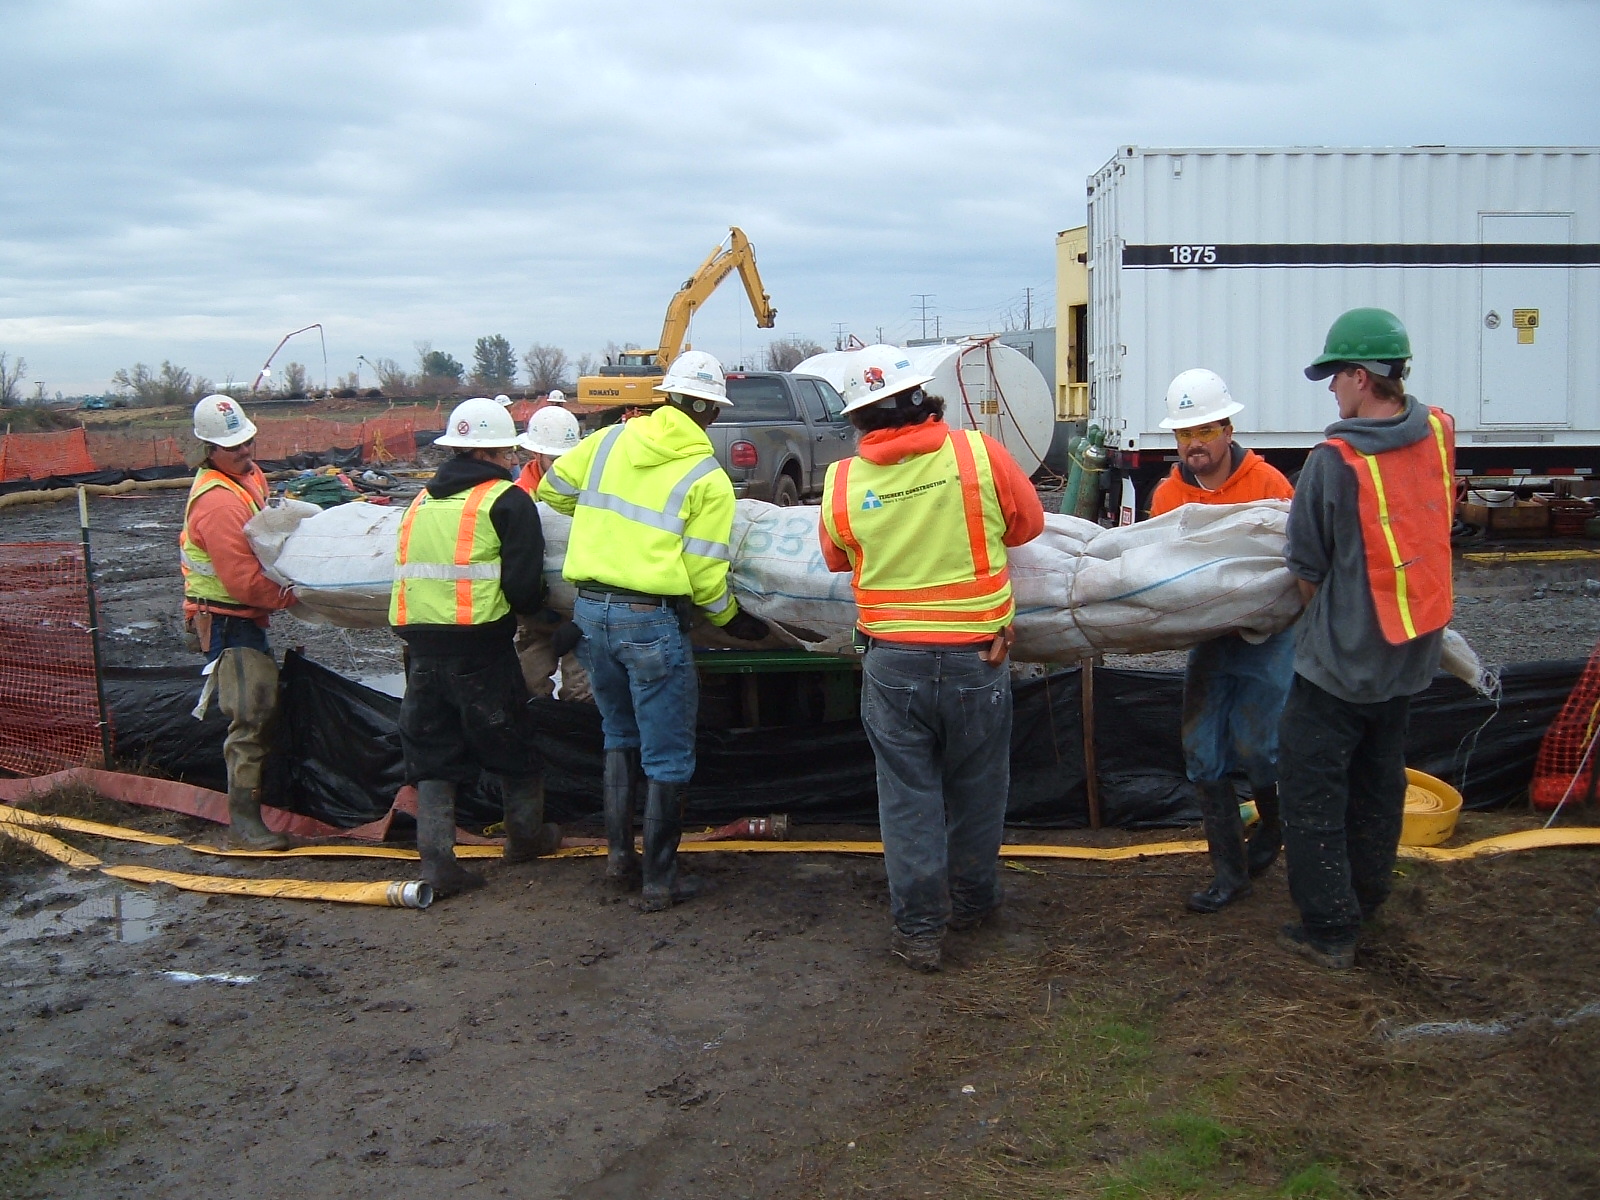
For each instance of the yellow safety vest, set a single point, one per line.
(662, 530)
(447, 565)
(925, 541)
(200, 580)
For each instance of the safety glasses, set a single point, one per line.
(1198, 433)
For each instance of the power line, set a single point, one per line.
(923, 298)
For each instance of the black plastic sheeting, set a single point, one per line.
(341, 758)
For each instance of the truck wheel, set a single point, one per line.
(785, 492)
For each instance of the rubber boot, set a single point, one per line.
(1266, 839)
(246, 831)
(1225, 838)
(436, 839)
(528, 835)
(621, 781)
(663, 827)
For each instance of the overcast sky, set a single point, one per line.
(192, 180)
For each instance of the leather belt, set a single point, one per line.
(610, 595)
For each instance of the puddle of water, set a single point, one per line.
(150, 525)
(390, 685)
(66, 905)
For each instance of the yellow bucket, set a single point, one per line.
(1432, 807)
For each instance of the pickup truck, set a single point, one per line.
(778, 438)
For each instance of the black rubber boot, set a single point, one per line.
(436, 839)
(1266, 839)
(246, 831)
(663, 827)
(621, 782)
(528, 835)
(1225, 838)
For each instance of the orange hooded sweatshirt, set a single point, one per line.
(1253, 478)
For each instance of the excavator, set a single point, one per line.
(629, 381)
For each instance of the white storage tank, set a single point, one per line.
(985, 386)
(1238, 260)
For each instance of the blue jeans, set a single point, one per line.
(642, 670)
(940, 726)
(1233, 695)
(235, 631)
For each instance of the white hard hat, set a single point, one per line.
(558, 397)
(479, 424)
(503, 400)
(1198, 397)
(220, 420)
(696, 373)
(880, 373)
(550, 431)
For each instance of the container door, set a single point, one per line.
(1523, 325)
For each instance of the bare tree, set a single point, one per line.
(546, 367)
(494, 363)
(584, 366)
(172, 385)
(784, 354)
(11, 378)
(294, 381)
(392, 378)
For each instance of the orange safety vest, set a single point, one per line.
(928, 560)
(1408, 500)
(450, 573)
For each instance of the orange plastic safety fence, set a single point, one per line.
(40, 455)
(49, 707)
(130, 450)
(1569, 759)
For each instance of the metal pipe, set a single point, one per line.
(94, 629)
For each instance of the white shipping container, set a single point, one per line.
(1238, 260)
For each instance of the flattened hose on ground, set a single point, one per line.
(392, 894)
(1525, 839)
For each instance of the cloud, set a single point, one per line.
(190, 180)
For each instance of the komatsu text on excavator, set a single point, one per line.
(629, 381)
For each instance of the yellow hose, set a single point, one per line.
(394, 893)
(22, 816)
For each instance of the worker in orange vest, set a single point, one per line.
(1369, 543)
(922, 517)
(1233, 690)
(227, 600)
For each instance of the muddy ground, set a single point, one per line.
(540, 1038)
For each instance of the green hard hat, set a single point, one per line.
(1364, 337)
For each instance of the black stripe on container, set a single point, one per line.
(1201, 255)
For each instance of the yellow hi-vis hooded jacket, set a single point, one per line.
(651, 511)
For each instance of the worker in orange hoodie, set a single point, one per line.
(922, 518)
(1233, 690)
(545, 640)
(227, 599)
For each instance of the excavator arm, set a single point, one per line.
(735, 254)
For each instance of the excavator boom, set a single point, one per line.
(632, 382)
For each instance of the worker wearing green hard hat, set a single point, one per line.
(1369, 546)
(1370, 338)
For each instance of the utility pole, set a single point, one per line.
(922, 298)
(838, 335)
(880, 335)
(1027, 310)
(936, 332)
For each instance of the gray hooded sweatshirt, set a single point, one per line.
(1339, 645)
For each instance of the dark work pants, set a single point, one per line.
(460, 715)
(1342, 784)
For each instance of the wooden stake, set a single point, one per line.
(1091, 782)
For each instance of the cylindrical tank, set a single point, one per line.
(985, 386)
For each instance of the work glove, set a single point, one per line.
(745, 627)
(565, 638)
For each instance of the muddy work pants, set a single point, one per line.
(1233, 695)
(246, 682)
(939, 722)
(463, 714)
(1342, 785)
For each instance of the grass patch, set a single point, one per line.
(71, 1150)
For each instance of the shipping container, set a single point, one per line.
(1239, 259)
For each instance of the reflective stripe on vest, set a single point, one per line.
(1407, 502)
(925, 540)
(200, 580)
(667, 519)
(447, 565)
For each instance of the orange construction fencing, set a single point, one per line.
(1568, 766)
(390, 437)
(40, 455)
(49, 701)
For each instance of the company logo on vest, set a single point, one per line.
(871, 500)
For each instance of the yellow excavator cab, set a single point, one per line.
(632, 378)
